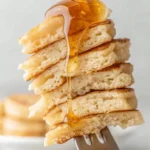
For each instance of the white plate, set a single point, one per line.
(133, 138)
(28, 143)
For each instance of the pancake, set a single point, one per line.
(1, 115)
(93, 124)
(117, 76)
(99, 76)
(91, 61)
(94, 103)
(1, 108)
(14, 127)
(1, 125)
(22, 133)
(46, 33)
(47, 128)
(57, 51)
(17, 106)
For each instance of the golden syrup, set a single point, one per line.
(78, 16)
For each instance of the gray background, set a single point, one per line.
(132, 19)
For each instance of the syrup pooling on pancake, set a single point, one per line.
(78, 16)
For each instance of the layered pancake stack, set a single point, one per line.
(1, 115)
(16, 121)
(99, 85)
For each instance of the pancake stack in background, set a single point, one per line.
(16, 121)
(100, 85)
(1, 115)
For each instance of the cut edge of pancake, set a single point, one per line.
(48, 32)
(51, 99)
(97, 102)
(93, 124)
(92, 61)
(53, 53)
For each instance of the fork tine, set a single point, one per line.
(109, 139)
(100, 137)
(94, 139)
(87, 139)
(80, 143)
(96, 144)
(109, 142)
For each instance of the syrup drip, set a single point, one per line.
(78, 16)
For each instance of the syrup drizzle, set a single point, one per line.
(78, 16)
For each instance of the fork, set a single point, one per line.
(99, 141)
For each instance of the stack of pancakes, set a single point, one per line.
(1, 115)
(16, 122)
(100, 92)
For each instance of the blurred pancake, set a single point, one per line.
(17, 106)
(14, 127)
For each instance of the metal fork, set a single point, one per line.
(100, 141)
